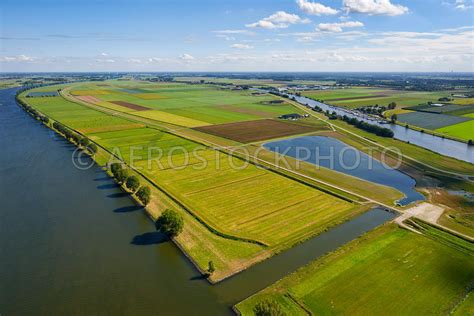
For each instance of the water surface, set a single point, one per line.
(331, 153)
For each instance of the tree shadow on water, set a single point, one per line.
(103, 179)
(198, 277)
(107, 186)
(127, 209)
(151, 238)
(118, 195)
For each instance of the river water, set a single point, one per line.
(72, 243)
(443, 146)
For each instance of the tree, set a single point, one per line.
(144, 195)
(92, 148)
(392, 105)
(84, 142)
(133, 183)
(268, 308)
(121, 176)
(211, 268)
(470, 142)
(115, 167)
(394, 117)
(170, 223)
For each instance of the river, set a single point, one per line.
(443, 146)
(72, 243)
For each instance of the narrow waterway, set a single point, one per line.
(71, 243)
(443, 146)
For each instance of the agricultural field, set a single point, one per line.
(248, 203)
(182, 104)
(391, 271)
(431, 121)
(252, 131)
(364, 96)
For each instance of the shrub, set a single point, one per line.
(170, 223)
(144, 195)
(211, 268)
(132, 183)
(268, 308)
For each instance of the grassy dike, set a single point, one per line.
(391, 271)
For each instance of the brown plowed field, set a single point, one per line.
(251, 131)
(132, 106)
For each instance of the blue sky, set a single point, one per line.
(301, 35)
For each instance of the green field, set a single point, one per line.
(361, 96)
(389, 271)
(186, 105)
(431, 121)
(463, 130)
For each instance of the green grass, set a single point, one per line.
(389, 271)
(463, 130)
(375, 96)
(188, 105)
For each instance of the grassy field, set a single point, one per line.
(464, 130)
(362, 96)
(390, 271)
(183, 104)
(432, 121)
(230, 197)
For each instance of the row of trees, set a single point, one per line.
(132, 183)
(371, 128)
(70, 135)
(76, 138)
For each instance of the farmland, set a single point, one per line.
(431, 121)
(361, 96)
(181, 104)
(390, 270)
(256, 130)
(248, 203)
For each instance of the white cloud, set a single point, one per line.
(315, 8)
(134, 61)
(154, 59)
(278, 20)
(186, 57)
(19, 58)
(374, 7)
(463, 4)
(244, 32)
(241, 46)
(338, 27)
(104, 54)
